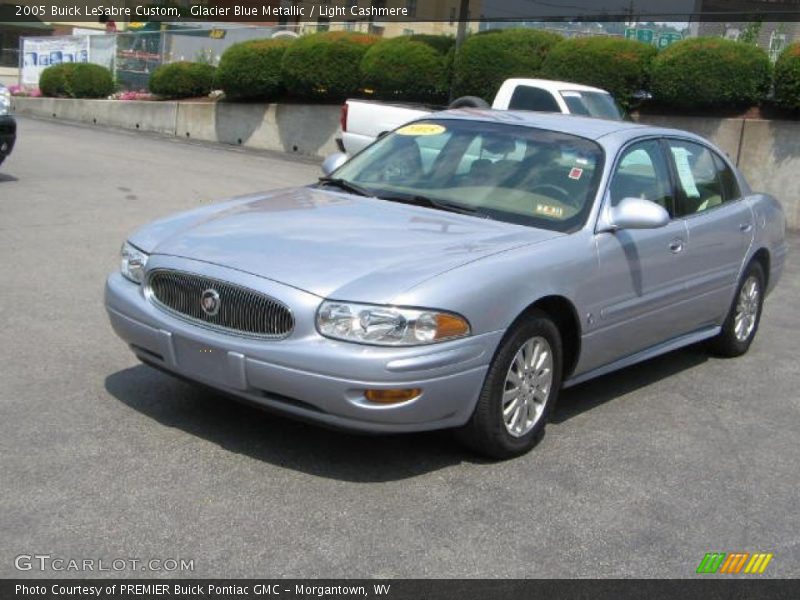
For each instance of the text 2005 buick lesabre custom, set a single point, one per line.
(456, 274)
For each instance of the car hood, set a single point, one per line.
(332, 244)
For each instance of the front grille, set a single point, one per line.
(240, 310)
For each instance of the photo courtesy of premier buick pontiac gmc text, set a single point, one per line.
(456, 274)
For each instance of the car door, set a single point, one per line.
(720, 228)
(638, 293)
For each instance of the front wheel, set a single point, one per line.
(519, 392)
(741, 324)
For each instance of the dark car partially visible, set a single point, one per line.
(8, 126)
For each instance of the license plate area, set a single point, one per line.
(203, 361)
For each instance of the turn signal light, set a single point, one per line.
(450, 326)
(391, 396)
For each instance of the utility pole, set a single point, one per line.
(463, 17)
(631, 12)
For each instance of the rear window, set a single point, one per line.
(531, 98)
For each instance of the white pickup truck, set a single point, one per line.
(362, 121)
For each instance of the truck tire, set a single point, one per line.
(469, 102)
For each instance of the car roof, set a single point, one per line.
(555, 86)
(586, 127)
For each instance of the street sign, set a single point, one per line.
(667, 39)
(642, 35)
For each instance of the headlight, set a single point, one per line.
(5, 101)
(388, 325)
(133, 263)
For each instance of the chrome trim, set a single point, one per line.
(273, 321)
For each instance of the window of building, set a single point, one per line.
(732, 33)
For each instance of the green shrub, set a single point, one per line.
(76, 80)
(617, 65)
(53, 80)
(325, 65)
(787, 78)
(252, 70)
(399, 68)
(441, 43)
(182, 80)
(485, 61)
(710, 73)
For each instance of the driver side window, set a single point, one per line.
(642, 173)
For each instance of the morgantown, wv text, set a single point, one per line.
(199, 590)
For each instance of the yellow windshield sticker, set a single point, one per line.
(422, 129)
(549, 210)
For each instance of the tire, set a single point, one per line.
(468, 102)
(487, 431)
(738, 331)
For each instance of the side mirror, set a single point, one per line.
(636, 213)
(333, 162)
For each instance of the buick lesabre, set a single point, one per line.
(457, 273)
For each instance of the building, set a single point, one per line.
(438, 17)
(771, 35)
(11, 31)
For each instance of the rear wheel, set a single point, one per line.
(468, 102)
(519, 392)
(741, 324)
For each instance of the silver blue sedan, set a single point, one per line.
(457, 274)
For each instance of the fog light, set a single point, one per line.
(391, 396)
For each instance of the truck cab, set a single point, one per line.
(544, 95)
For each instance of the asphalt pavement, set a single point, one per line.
(640, 474)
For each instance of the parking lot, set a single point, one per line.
(640, 474)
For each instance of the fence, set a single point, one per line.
(132, 56)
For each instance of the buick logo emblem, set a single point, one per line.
(210, 302)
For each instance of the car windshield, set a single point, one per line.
(592, 104)
(511, 173)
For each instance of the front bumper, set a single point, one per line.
(8, 135)
(305, 375)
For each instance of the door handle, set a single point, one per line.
(746, 227)
(676, 245)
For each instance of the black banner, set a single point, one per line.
(287, 12)
(409, 589)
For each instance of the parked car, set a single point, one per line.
(8, 126)
(457, 274)
(362, 121)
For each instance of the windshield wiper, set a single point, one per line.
(345, 185)
(419, 200)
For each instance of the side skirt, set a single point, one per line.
(652, 352)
